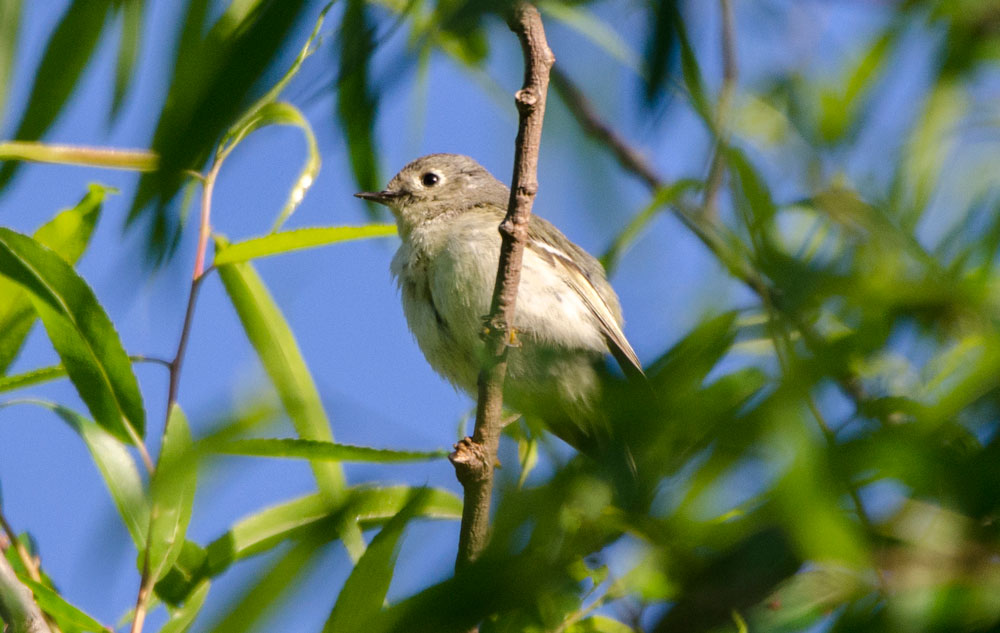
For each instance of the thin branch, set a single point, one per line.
(17, 604)
(729, 74)
(474, 458)
(31, 564)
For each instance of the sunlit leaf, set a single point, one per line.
(10, 23)
(599, 624)
(67, 616)
(279, 353)
(181, 618)
(67, 53)
(68, 235)
(314, 450)
(116, 467)
(363, 593)
(81, 333)
(637, 224)
(28, 378)
(172, 494)
(286, 241)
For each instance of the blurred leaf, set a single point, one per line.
(10, 24)
(172, 494)
(279, 353)
(364, 592)
(116, 467)
(213, 77)
(734, 579)
(840, 104)
(129, 42)
(661, 43)
(599, 624)
(67, 616)
(110, 158)
(183, 617)
(323, 451)
(67, 53)
(263, 595)
(278, 113)
(357, 103)
(81, 333)
(661, 198)
(285, 241)
(684, 367)
(68, 235)
(596, 30)
(804, 599)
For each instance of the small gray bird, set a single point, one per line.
(448, 209)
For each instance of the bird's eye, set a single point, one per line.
(430, 179)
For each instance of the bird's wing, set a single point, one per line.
(581, 283)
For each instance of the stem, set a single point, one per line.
(17, 604)
(474, 458)
(208, 184)
(133, 160)
(729, 74)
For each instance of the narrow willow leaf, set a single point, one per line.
(128, 50)
(661, 198)
(28, 378)
(115, 465)
(172, 493)
(285, 241)
(67, 53)
(183, 617)
(280, 113)
(357, 103)
(278, 351)
(370, 505)
(81, 333)
(364, 592)
(68, 235)
(327, 451)
(67, 616)
(10, 22)
(596, 30)
(599, 624)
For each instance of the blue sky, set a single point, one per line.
(340, 300)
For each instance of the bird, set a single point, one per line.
(447, 209)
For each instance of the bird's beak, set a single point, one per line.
(382, 197)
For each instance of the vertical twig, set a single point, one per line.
(474, 458)
(30, 563)
(146, 581)
(718, 166)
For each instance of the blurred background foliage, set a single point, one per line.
(820, 455)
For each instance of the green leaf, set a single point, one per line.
(661, 198)
(67, 53)
(594, 29)
(183, 617)
(279, 113)
(115, 465)
(214, 73)
(28, 378)
(68, 235)
(172, 493)
(10, 22)
(364, 592)
(128, 50)
(67, 616)
(357, 103)
(81, 333)
(279, 353)
(324, 451)
(286, 241)
(599, 624)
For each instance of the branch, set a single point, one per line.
(474, 458)
(17, 604)
(729, 73)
